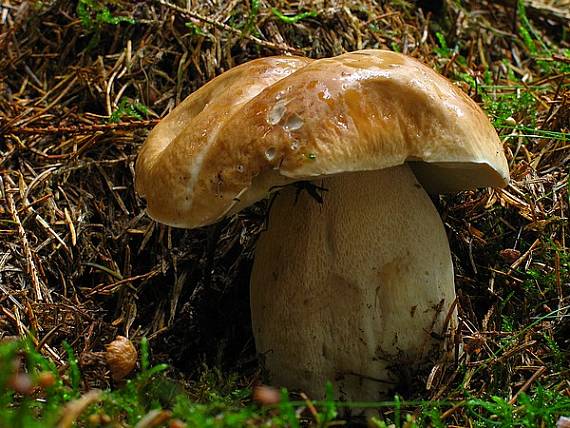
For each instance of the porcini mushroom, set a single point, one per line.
(348, 286)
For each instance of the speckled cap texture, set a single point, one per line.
(277, 120)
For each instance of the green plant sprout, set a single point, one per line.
(127, 108)
(93, 14)
(295, 18)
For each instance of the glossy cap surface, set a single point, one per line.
(359, 111)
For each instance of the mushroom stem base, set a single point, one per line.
(352, 290)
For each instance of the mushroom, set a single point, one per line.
(353, 284)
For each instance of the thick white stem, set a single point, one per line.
(352, 289)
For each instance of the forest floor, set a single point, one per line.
(81, 84)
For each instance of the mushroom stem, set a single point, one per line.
(351, 290)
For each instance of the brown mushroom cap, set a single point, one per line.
(167, 163)
(254, 128)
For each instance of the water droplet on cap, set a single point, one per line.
(270, 153)
(293, 123)
(276, 113)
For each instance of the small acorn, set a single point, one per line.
(510, 255)
(176, 423)
(46, 380)
(21, 383)
(266, 395)
(121, 357)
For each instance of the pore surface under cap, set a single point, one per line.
(359, 111)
